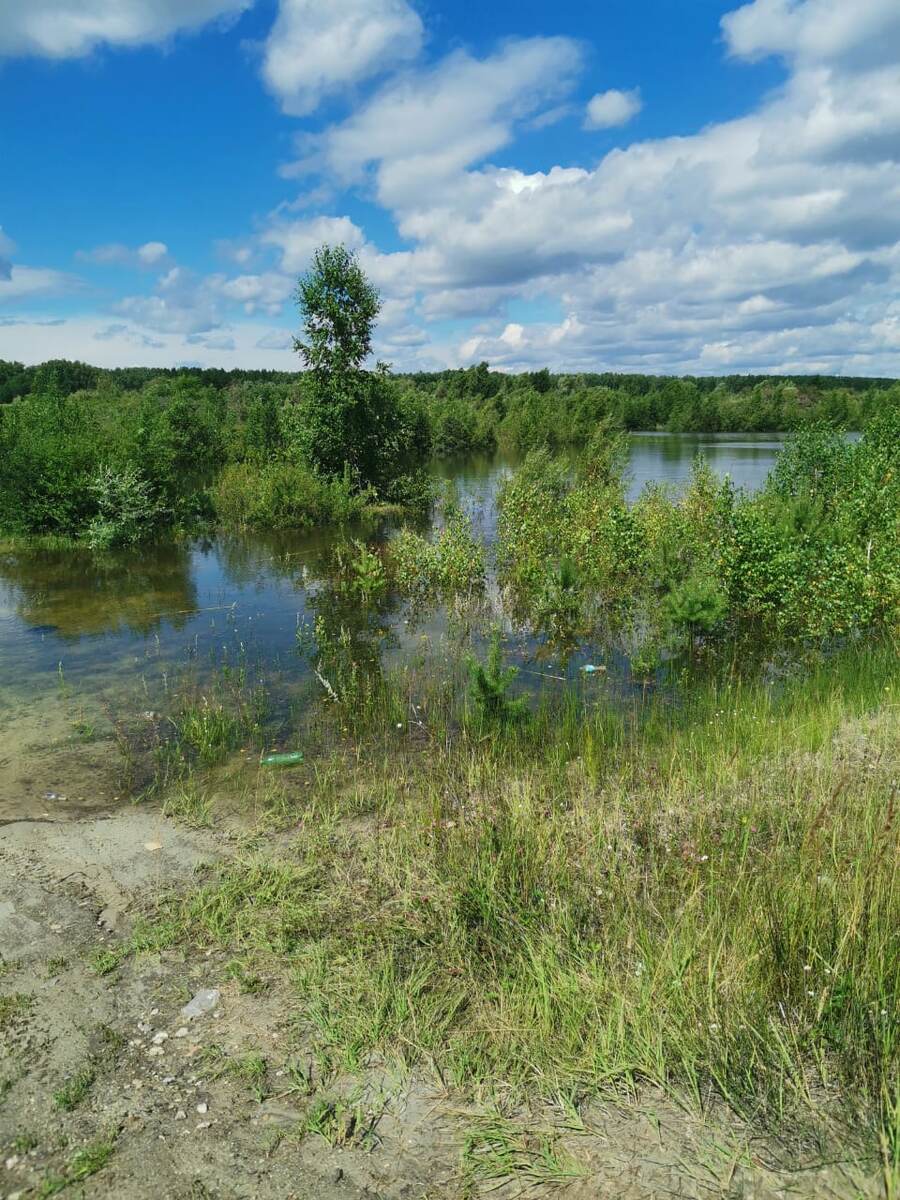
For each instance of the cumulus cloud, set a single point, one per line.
(771, 241)
(611, 108)
(21, 282)
(72, 28)
(426, 127)
(864, 33)
(314, 49)
(115, 254)
(297, 241)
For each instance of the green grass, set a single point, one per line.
(76, 1088)
(701, 894)
(83, 1164)
(13, 1008)
(496, 1149)
(344, 1121)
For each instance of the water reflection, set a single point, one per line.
(106, 616)
(78, 593)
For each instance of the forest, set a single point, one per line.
(112, 456)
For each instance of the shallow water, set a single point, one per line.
(89, 639)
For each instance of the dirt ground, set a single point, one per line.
(106, 1090)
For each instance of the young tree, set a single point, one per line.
(339, 307)
(350, 418)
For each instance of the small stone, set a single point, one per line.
(202, 1109)
(155, 1052)
(181, 1115)
(182, 1032)
(159, 1038)
(12, 1163)
(203, 1124)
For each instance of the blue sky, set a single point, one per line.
(652, 185)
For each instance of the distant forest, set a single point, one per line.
(112, 457)
(477, 408)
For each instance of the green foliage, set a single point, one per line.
(489, 686)
(361, 571)
(695, 606)
(127, 512)
(349, 419)
(812, 556)
(452, 564)
(339, 307)
(282, 495)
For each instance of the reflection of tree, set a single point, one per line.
(282, 554)
(351, 638)
(79, 592)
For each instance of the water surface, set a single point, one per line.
(86, 637)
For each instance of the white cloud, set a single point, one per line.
(426, 127)
(316, 48)
(755, 240)
(20, 283)
(127, 343)
(71, 28)
(611, 108)
(864, 33)
(152, 253)
(115, 254)
(297, 241)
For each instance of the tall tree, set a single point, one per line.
(350, 418)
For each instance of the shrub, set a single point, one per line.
(282, 495)
(127, 511)
(489, 686)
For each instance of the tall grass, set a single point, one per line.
(703, 895)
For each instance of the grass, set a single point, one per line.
(496, 1149)
(76, 1088)
(13, 1008)
(701, 894)
(83, 1164)
(252, 1069)
(344, 1121)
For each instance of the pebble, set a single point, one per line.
(203, 1124)
(182, 1032)
(155, 1052)
(159, 1038)
(202, 1109)
(181, 1115)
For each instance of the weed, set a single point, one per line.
(83, 1164)
(496, 1149)
(76, 1088)
(13, 1009)
(344, 1122)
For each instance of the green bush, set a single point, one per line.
(282, 495)
(127, 511)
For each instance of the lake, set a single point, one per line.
(91, 640)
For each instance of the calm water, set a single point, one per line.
(84, 637)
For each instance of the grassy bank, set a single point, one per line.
(702, 895)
